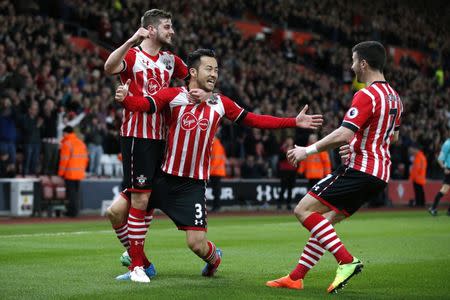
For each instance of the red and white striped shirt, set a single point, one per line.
(191, 130)
(148, 75)
(192, 127)
(374, 116)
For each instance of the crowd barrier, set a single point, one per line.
(22, 197)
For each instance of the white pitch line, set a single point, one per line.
(54, 234)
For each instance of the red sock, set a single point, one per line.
(311, 255)
(324, 232)
(212, 257)
(122, 234)
(148, 221)
(136, 235)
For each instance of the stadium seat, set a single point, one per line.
(106, 165)
(57, 204)
(117, 166)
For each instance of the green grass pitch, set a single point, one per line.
(406, 256)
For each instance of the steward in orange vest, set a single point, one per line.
(217, 171)
(418, 174)
(72, 167)
(315, 166)
(218, 159)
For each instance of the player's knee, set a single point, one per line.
(115, 216)
(110, 213)
(298, 212)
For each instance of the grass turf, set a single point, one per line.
(406, 256)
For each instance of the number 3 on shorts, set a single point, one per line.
(198, 211)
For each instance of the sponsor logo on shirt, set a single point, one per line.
(153, 86)
(189, 122)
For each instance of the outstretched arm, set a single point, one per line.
(269, 122)
(337, 138)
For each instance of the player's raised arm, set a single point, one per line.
(116, 60)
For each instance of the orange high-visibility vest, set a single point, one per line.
(315, 166)
(418, 171)
(73, 158)
(218, 159)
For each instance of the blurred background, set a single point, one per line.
(274, 56)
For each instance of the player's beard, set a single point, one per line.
(204, 85)
(163, 41)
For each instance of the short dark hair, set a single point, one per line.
(154, 16)
(68, 129)
(373, 52)
(193, 60)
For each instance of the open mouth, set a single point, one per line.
(211, 81)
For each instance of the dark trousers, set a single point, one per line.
(31, 153)
(72, 192)
(419, 195)
(215, 184)
(50, 159)
(287, 182)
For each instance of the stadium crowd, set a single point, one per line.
(47, 83)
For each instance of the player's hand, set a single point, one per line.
(296, 155)
(344, 152)
(122, 91)
(139, 36)
(198, 95)
(308, 121)
(446, 171)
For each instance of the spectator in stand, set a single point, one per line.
(31, 134)
(50, 146)
(252, 169)
(72, 167)
(417, 174)
(68, 119)
(316, 166)
(287, 174)
(6, 168)
(8, 130)
(95, 134)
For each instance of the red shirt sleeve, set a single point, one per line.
(268, 122)
(237, 114)
(359, 113)
(180, 70)
(151, 104)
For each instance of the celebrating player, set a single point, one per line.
(180, 190)
(369, 126)
(147, 69)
